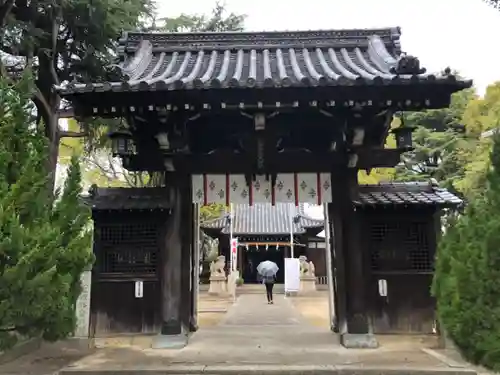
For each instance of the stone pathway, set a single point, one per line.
(253, 310)
(254, 337)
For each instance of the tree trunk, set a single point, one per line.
(53, 151)
(47, 104)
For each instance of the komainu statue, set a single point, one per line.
(217, 266)
(306, 268)
(307, 276)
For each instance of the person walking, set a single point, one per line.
(269, 283)
(267, 271)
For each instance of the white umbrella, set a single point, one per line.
(267, 268)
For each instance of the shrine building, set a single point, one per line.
(263, 233)
(264, 118)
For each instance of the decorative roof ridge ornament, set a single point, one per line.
(257, 36)
(407, 64)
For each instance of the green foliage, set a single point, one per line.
(440, 140)
(467, 270)
(211, 211)
(102, 170)
(85, 39)
(219, 20)
(44, 247)
(448, 143)
(63, 40)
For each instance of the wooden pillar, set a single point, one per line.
(176, 262)
(349, 262)
(187, 289)
(338, 271)
(240, 260)
(195, 269)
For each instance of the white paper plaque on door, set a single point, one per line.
(139, 289)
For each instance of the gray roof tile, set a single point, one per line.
(264, 218)
(127, 199)
(174, 61)
(406, 193)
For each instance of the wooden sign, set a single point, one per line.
(314, 188)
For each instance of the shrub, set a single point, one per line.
(467, 273)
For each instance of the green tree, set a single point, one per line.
(99, 166)
(467, 270)
(441, 142)
(219, 20)
(481, 114)
(63, 41)
(44, 247)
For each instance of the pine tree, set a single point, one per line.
(43, 248)
(468, 272)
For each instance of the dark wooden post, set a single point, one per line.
(338, 271)
(186, 255)
(195, 269)
(349, 264)
(175, 273)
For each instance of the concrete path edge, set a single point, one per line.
(275, 370)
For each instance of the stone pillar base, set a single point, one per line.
(193, 326)
(171, 341)
(359, 341)
(218, 286)
(307, 285)
(231, 283)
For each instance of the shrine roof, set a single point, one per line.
(100, 199)
(406, 193)
(264, 218)
(179, 61)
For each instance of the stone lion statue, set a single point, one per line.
(306, 268)
(217, 266)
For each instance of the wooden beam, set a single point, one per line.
(66, 113)
(223, 162)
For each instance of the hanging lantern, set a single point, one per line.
(122, 143)
(403, 135)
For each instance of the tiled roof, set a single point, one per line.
(264, 218)
(174, 61)
(127, 199)
(406, 193)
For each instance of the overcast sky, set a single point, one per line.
(460, 34)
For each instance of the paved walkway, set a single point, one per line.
(253, 310)
(254, 333)
(255, 336)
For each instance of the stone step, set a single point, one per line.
(272, 370)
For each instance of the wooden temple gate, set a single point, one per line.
(260, 110)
